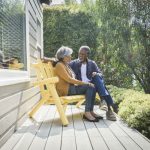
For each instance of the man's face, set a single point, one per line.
(82, 55)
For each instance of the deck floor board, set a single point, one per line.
(46, 132)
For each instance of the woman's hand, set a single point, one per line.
(90, 84)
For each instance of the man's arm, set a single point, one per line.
(97, 70)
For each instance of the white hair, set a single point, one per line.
(63, 51)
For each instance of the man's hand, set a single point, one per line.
(95, 73)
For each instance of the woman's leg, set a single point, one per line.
(90, 93)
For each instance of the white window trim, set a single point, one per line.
(9, 77)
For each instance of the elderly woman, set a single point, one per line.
(68, 85)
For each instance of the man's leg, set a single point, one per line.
(102, 91)
(108, 98)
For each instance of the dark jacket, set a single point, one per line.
(91, 67)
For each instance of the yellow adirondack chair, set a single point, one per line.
(46, 80)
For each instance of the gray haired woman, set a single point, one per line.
(68, 85)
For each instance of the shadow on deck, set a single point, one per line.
(47, 133)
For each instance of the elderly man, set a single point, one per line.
(87, 70)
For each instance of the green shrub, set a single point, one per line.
(134, 108)
(68, 26)
(116, 93)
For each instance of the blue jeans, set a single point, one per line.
(89, 93)
(101, 89)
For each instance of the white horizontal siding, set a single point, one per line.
(17, 100)
(29, 93)
(24, 108)
(9, 103)
(32, 22)
(36, 8)
(9, 90)
(7, 121)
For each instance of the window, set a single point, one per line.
(13, 57)
(12, 35)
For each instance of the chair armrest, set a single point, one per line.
(52, 80)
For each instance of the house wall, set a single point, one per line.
(18, 99)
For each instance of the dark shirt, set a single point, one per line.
(91, 67)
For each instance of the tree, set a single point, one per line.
(68, 26)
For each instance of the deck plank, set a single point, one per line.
(82, 139)
(18, 135)
(55, 135)
(68, 136)
(122, 137)
(41, 137)
(139, 139)
(48, 133)
(111, 141)
(29, 135)
(95, 137)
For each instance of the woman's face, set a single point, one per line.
(67, 59)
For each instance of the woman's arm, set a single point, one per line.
(60, 70)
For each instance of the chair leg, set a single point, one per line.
(97, 96)
(38, 105)
(59, 106)
(80, 103)
(65, 107)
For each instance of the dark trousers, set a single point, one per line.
(86, 90)
(101, 89)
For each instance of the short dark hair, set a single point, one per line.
(86, 48)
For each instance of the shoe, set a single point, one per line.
(110, 115)
(87, 119)
(97, 116)
(103, 105)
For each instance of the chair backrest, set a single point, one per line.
(49, 69)
(44, 71)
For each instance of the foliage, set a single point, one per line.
(134, 108)
(124, 41)
(125, 38)
(118, 33)
(68, 26)
(109, 41)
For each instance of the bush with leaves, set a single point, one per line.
(68, 26)
(134, 108)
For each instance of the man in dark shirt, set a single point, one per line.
(88, 71)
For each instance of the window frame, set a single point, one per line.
(8, 76)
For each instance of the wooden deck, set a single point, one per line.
(47, 133)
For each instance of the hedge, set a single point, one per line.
(68, 26)
(134, 108)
